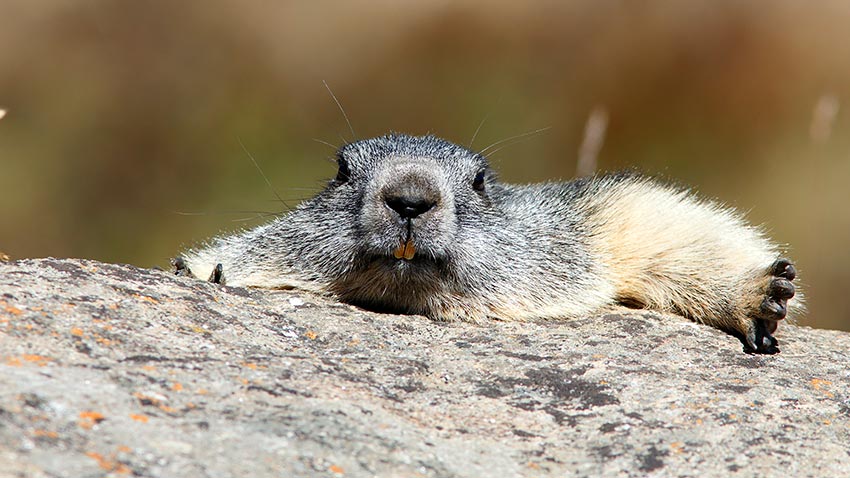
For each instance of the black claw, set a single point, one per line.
(217, 276)
(759, 339)
(781, 288)
(773, 309)
(790, 272)
(783, 268)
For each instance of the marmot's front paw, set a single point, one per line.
(180, 268)
(772, 308)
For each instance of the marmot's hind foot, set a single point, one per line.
(772, 308)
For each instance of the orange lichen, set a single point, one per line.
(148, 368)
(821, 385)
(336, 469)
(253, 366)
(88, 419)
(176, 386)
(39, 360)
(99, 459)
(45, 433)
(139, 418)
(146, 400)
(77, 332)
(10, 309)
(13, 361)
(89, 415)
(146, 298)
(202, 391)
(103, 340)
(108, 464)
(311, 335)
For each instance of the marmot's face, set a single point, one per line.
(413, 197)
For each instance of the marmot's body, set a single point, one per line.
(420, 225)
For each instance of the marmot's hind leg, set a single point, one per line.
(769, 307)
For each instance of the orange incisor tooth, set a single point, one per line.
(409, 250)
(398, 253)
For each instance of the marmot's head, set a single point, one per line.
(415, 202)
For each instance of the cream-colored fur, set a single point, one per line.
(665, 249)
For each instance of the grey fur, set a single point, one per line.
(488, 250)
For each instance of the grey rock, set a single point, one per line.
(114, 370)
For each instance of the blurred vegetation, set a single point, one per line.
(122, 114)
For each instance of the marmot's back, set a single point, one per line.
(420, 225)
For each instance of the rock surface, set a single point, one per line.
(114, 370)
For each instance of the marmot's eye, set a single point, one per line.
(478, 182)
(343, 173)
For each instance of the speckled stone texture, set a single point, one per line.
(114, 370)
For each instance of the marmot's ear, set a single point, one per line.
(343, 173)
(478, 182)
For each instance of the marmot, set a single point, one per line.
(419, 225)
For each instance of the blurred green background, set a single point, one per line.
(121, 115)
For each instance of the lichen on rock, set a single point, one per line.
(113, 369)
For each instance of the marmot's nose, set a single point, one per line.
(409, 207)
